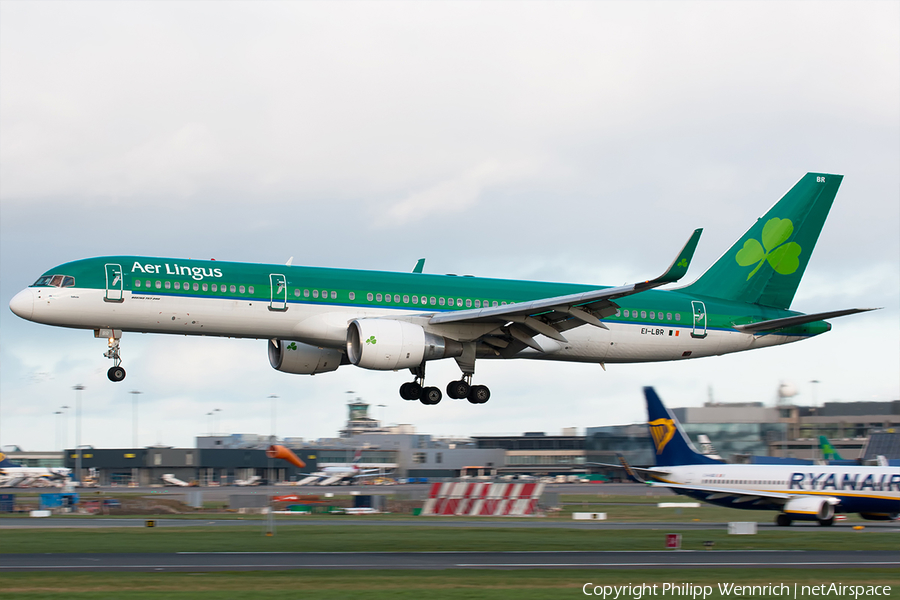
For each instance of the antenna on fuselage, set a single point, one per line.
(289, 261)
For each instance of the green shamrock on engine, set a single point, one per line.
(784, 257)
(371, 339)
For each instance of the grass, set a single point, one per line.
(384, 538)
(378, 585)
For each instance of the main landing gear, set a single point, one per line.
(415, 390)
(116, 372)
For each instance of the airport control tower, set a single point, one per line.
(359, 421)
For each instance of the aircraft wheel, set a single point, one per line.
(116, 373)
(430, 396)
(783, 520)
(458, 389)
(410, 390)
(827, 522)
(479, 394)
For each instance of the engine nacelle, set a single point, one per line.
(302, 359)
(810, 508)
(386, 344)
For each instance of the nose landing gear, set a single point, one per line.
(116, 372)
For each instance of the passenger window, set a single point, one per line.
(137, 283)
(377, 297)
(652, 315)
(415, 299)
(334, 295)
(324, 294)
(503, 304)
(668, 316)
(147, 283)
(618, 312)
(240, 289)
(494, 303)
(405, 299)
(158, 284)
(643, 314)
(677, 316)
(250, 289)
(169, 285)
(233, 289)
(296, 292)
(459, 301)
(387, 297)
(315, 293)
(468, 303)
(205, 287)
(431, 300)
(306, 293)
(353, 295)
(369, 296)
(478, 304)
(215, 288)
(442, 301)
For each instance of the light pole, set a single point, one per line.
(218, 420)
(78, 389)
(65, 426)
(382, 407)
(815, 383)
(134, 418)
(58, 434)
(209, 425)
(274, 399)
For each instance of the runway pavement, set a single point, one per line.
(451, 522)
(276, 561)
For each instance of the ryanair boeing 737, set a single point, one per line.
(798, 493)
(317, 319)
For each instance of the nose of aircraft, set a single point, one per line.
(23, 304)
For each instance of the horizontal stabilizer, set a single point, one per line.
(776, 324)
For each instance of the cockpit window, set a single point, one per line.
(56, 281)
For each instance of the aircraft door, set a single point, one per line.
(278, 299)
(114, 283)
(699, 310)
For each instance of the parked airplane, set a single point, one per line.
(15, 475)
(318, 319)
(340, 473)
(807, 492)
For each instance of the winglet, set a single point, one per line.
(679, 266)
(628, 470)
(419, 266)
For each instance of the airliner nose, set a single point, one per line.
(23, 304)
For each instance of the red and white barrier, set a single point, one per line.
(483, 499)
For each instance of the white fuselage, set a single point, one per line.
(326, 325)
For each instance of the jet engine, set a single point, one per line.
(810, 508)
(302, 359)
(386, 344)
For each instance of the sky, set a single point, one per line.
(557, 141)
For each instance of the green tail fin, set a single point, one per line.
(828, 451)
(766, 264)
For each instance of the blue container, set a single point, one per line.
(7, 502)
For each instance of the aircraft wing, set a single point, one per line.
(719, 493)
(776, 324)
(551, 316)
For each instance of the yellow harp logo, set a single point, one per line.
(662, 431)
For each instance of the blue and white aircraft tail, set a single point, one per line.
(672, 446)
(798, 492)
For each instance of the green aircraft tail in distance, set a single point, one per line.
(765, 266)
(828, 451)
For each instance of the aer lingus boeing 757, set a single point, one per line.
(318, 319)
